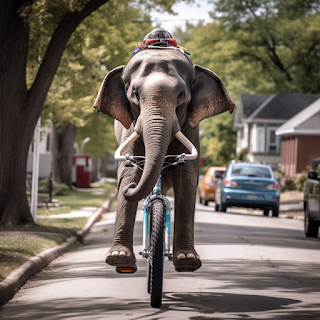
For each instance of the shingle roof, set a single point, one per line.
(305, 122)
(251, 102)
(283, 106)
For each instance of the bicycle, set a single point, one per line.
(156, 218)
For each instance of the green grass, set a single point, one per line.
(71, 224)
(25, 241)
(76, 199)
(15, 250)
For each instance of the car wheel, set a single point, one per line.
(223, 207)
(216, 207)
(205, 202)
(265, 212)
(200, 199)
(311, 227)
(275, 211)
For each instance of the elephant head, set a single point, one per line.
(159, 92)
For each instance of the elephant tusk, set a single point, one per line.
(126, 144)
(134, 136)
(187, 143)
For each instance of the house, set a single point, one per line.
(259, 116)
(300, 140)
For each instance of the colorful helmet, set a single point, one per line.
(158, 37)
(158, 33)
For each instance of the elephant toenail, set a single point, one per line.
(197, 257)
(190, 256)
(109, 254)
(122, 254)
(115, 254)
(181, 256)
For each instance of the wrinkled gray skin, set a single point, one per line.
(157, 94)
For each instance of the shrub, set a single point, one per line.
(302, 178)
(44, 185)
(290, 185)
(59, 189)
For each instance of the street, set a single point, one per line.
(253, 267)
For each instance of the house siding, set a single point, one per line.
(297, 152)
(308, 150)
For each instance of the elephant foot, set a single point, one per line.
(121, 257)
(187, 262)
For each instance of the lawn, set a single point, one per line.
(18, 244)
(76, 199)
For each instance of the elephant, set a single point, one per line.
(158, 93)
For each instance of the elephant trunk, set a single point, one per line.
(157, 133)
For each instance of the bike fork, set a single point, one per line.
(167, 229)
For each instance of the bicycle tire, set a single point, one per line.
(156, 253)
(148, 275)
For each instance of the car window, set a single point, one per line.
(250, 171)
(219, 173)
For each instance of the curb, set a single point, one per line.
(16, 279)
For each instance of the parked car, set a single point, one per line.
(208, 184)
(248, 185)
(312, 204)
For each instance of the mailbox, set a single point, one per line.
(83, 167)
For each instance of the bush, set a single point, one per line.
(59, 189)
(302, 178)
(44, 185)
(290, 184)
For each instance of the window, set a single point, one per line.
(250, 171)
(272, 141)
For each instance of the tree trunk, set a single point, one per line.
(62, 153)
(104, 165)
(21, 108)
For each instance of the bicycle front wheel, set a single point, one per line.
(156, 253)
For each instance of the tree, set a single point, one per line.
(20, 105)
(101, 42)
(280, 38)
(256, 46)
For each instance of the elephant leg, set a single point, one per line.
(121, 252)
(185, 257)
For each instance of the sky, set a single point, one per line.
(193, 13)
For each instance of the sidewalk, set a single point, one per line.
(16, 279)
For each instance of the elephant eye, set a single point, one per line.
(135, 94)
(181, 96)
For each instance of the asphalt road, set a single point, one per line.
(254, 267)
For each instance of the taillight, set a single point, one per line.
(231, 184)
(272, 186)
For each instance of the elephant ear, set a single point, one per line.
(112, 99)
(209, 98)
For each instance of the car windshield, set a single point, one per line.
(250, 171)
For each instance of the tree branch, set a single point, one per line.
(276, 60)
(51, 60)
(263, 63)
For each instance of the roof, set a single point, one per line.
(248, 103)
(276, 108)
(306, 121)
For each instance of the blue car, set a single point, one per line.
(248, 185)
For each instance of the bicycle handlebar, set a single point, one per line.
(134, 136)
